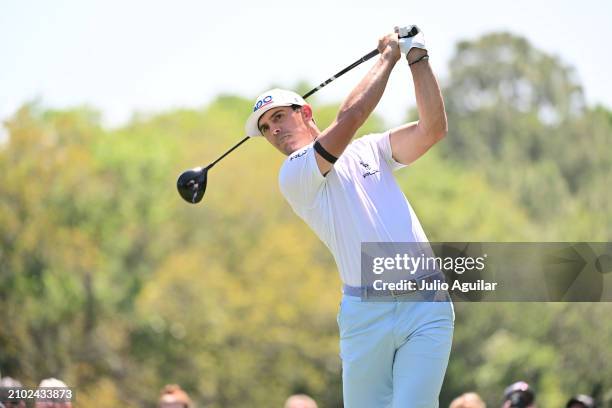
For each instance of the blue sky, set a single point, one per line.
(126, 56)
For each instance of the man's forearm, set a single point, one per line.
(365, 96)
(356, 108)
(432, 116)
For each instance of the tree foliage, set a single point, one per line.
(111, 282)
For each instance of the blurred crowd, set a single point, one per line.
(11, 398)
(517, 395)
(171, 396)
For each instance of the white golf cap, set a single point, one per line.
(266, 101)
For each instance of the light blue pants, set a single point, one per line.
(394, 353)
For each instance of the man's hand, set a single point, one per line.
(389, 47)
(413, 47)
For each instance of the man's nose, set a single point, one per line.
(276, 130)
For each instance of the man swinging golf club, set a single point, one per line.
(394, 353)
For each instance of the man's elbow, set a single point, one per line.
(441, 134)
(440, 130)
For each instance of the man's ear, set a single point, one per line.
(306, 113)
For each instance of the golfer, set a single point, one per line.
(394, 353)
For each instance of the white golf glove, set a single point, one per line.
(408, 39)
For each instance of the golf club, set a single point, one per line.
(191, 184)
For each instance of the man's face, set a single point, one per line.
(285, 128)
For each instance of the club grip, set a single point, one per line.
(403, 32)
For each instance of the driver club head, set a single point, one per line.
(191, 184)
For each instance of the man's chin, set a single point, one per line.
(292, 147)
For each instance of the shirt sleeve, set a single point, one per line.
(383, 148)
(300, 179)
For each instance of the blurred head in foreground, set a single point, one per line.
(581, 401)
(519, 395)
(173, 396)
(300, 401)
(5, 383)
(468, 400)
(62, 401)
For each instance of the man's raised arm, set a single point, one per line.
(412, 140)
(358, 106)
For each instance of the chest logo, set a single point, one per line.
(369, 171)
(297, 155)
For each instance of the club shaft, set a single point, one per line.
(321, 85)
(344, 71)
(226, 153)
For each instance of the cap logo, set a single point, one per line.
(262, 102)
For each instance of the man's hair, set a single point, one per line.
(299, 107)
(468, 400)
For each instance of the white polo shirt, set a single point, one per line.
(358, 201)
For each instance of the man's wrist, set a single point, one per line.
(415, 54)
(389, 57)
(416, 61)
